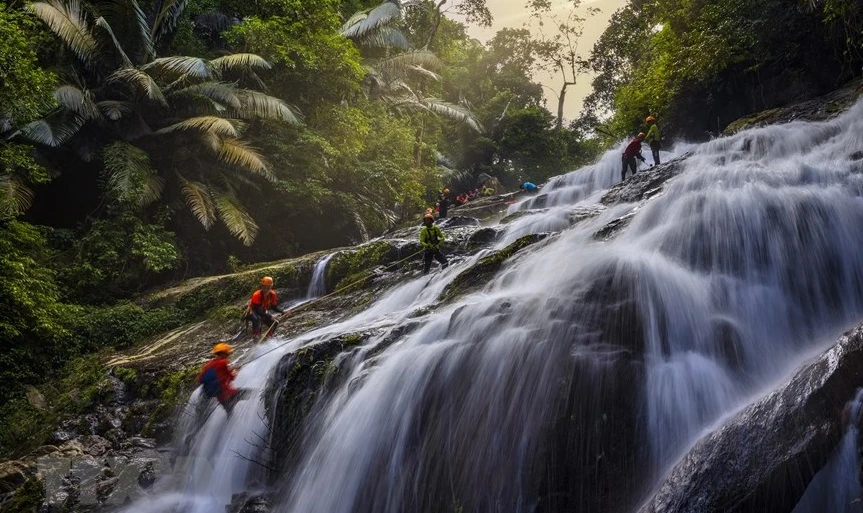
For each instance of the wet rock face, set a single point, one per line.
(762, 459)
(645, 184)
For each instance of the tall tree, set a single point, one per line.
(157, 123)
(557, 45)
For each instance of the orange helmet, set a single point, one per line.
(641, 135)
(223, 347)
(267, 281)
(649, 119)
(428, 215)
(446, 191)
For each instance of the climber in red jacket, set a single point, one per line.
(632, 152)
(217, 377)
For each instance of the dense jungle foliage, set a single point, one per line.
(144, 141)
(700, 64)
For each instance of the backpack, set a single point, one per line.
(210, 381)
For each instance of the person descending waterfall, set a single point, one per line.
(264, 300)
(632, 152)
(443, 203)
(528, 186)
(653, 138)
(430, 238)
(217, 376)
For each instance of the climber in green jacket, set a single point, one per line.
(653, 138)
(430, 238)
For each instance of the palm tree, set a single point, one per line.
(389, 79)
(158, 123)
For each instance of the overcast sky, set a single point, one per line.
(511, 13)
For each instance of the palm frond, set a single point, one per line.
(15, 197)
(259, 105)
(127, 19)
(385, 37)
(167, 15)
(68, 21)
(239, 61)
(399, 64)
(381, 15)
(139, 81)
(453, 112)
(78, 101)
(213, 124)
(236, 218)
(236, 152)
(131, 177)
(53, 130)
(102, 23)
(422, 72)
(179, 66)
(199, 200)
(115, 109)
(221, 92)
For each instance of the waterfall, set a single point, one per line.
(318, 285)
(836, 488)
(580, 373)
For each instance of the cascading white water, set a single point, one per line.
(581, 372)
(836, 488)
(318, 284)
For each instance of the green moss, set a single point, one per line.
(23, 427)
(348, 266)
(126, 374)
(170, 390)
(485, 269)
(26, 499)
(359, 279)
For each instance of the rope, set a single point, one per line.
(313, 301)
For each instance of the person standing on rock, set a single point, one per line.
(632, 152)
(653, 138)
(430, 238)
(264, 300)
(217, 377)
(443, 203)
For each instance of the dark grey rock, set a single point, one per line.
(763, 458)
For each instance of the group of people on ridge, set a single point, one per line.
(217, 376)
(633, 149)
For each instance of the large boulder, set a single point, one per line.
(763, 458)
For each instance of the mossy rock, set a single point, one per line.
(299, 380)
(351, 263)
(481, 272)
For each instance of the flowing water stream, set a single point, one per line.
(579, 374)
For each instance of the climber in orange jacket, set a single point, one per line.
(264, 300)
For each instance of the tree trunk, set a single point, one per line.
(436, 25)
(560, 101)
(418, 143)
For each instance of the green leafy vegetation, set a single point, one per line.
(700, 65)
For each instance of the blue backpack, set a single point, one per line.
(210, 381)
